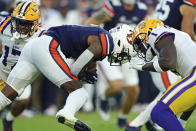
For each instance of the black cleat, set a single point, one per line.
(7, 125)
(150, 126)
(103, 109)
(80, 126)
(122, 122)
(77, 125)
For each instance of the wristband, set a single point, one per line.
(157, 66)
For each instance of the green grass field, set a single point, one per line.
(45, 123)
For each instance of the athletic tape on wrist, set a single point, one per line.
(157, 66)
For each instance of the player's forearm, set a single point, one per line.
(92, 21)
(159, 65)
(81, 62)
(149, 67)
(98, 18)
(188, 28)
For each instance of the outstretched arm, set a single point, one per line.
(98, 18)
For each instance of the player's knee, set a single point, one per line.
(132, 90)
(9, 92)
(116, 85)
(71, 86)
(158, 111)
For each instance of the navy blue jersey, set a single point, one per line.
(119, 15)
(73, 39)
(169, 12)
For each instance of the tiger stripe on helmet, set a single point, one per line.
(24, 7)
(21, 7)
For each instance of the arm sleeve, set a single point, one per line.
(108, 8)
(81, 62)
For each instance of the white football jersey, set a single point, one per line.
(185, 47)
(11, 48)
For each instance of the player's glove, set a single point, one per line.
(89, 76)
(136, 63)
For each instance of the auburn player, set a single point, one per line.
(182, 13)
(113, 13)
(16, 30)
(168, 45)
(48, 55)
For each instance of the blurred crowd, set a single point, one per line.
(58, 12)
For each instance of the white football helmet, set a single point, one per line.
(129, 2)
(122, 38)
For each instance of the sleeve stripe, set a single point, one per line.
(3, 20)
(42, 33)
(108, 9)
(4, 24)
(190, 2)
(165, 79)
(108, 47)
(163, 34)
(104, 44)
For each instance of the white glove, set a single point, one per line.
(136, 63)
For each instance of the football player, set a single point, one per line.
(182, 13)
(178, 14)
(113, 13)
(48, 55)
(153, 37)
(16, 30)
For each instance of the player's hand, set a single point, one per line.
(89, 76)
(136, 63)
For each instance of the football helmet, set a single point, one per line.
(20, 1)
(128, 2)
(141, 34)
(25, 20)
(123, 49)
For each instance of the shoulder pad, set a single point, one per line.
(159, 33)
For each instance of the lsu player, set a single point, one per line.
(175, 51)
(48, 55)
(178, 14)
(113, 13)
(16, 30)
